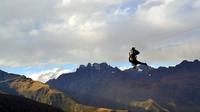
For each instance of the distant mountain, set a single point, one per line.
(40, 92)
(13, 103)
(174, 89)
(46, 75)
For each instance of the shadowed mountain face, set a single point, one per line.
(174, 89)
(40, 92)
(11, 103)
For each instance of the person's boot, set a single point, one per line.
(136, 68)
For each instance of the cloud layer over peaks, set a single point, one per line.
(46, 75)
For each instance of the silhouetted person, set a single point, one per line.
(133, 58)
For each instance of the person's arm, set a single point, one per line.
(136, 52)
(129, 57)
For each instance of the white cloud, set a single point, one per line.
(42, 32)
(170, 13)
(44, 76)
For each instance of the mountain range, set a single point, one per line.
(173, 89)
(103, 88)
(17, 85)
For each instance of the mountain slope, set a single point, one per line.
(11, 103)
(149, 105)
(174, 88)
(20, 85)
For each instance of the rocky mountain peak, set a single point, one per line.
(94, 67)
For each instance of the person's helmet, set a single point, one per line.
(133, 48)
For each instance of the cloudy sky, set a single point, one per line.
(36, 35)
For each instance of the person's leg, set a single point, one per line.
(141, 63)
(134, 64)
(136, 67)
